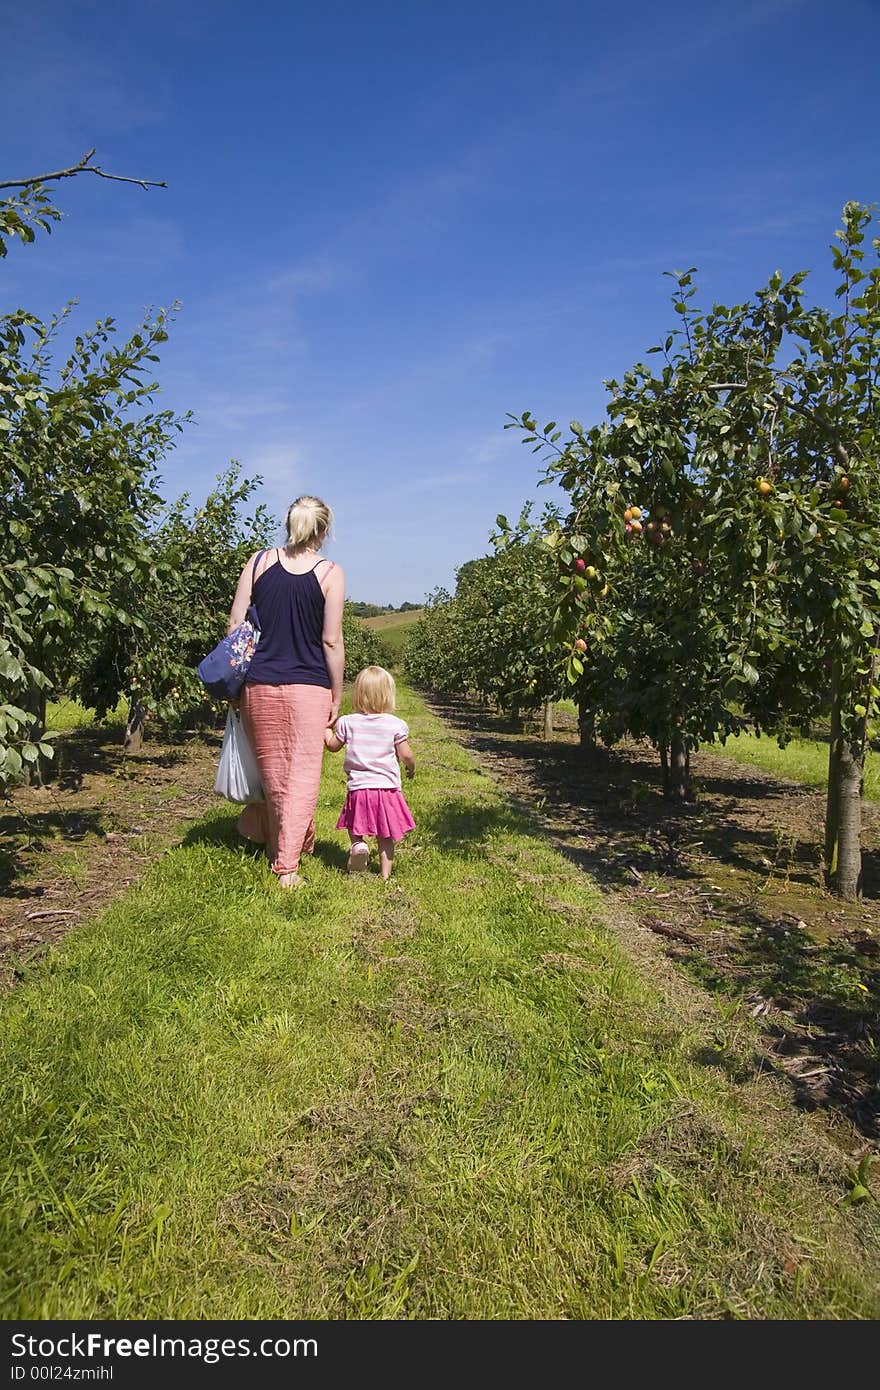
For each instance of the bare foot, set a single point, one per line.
(290, 881)
(358, 856)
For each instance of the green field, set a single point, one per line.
(452, 1097)
(392, 629)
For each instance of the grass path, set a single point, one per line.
(456, 1097)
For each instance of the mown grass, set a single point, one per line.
(802, 760)
(64, 715)
(452, 1097)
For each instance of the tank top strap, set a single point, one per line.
(256, 566)
(323, 561)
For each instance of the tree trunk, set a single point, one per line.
(848, 876)
(664, 764)
(832, 804)
(133, 737)
(586, 728)
(679, 778)
(548, 719)
(843, 810)
(515, 718)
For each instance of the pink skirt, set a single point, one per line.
(376, 811)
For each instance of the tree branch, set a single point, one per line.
(813, 416)
(84, 167)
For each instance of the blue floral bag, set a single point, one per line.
(223, 671)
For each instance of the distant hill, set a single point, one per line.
(392, 626)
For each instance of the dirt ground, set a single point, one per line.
(730, 884)
(68, 849)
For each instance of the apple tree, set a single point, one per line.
(723, 508)
(78, 450)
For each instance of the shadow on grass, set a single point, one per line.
(333, 854)
(21, 834)
(222, 832)
(826, 1011)
(464, 830)
(617, 797)
(607, 814)
(97, 749)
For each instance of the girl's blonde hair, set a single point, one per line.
(374, 691)
(308, 521)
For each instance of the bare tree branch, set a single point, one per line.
(84, 167)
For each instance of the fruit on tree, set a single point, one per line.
(580, 565)
(580, 645)
(591, 572)
(764, 487)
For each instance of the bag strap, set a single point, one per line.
(254, 570)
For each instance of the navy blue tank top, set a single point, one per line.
(290, 608)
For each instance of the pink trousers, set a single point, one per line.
(285, 727)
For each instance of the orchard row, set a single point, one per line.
(715, 564)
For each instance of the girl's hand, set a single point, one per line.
(405, 757)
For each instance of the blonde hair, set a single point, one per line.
(308, 521)
(374, 691)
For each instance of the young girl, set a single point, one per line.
(376, 742)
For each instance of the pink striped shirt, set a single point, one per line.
(370, 749)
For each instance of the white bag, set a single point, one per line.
(237, 776)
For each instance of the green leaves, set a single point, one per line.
(754, 585)
(491, 638)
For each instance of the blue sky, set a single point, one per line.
(390, 223)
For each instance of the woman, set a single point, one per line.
(294, 683)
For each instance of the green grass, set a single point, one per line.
(64, 715)
(802, 760)
(452, 1097)
(392, 629)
